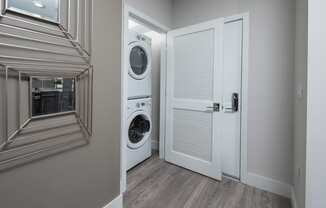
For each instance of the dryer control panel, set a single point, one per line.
(139, 104)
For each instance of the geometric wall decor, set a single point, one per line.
(46, 79)
(67, 42)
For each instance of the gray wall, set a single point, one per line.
(316, 111)
(88, 176)
(160, 10)
(271, 68)
(300, 102)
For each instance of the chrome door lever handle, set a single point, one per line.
(228, 110)
(215, 107)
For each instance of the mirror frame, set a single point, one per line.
(65, 33)
(33, 15)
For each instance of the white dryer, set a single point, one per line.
(139, 131)
(139, 66)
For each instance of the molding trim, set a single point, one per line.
(163, 74)
(244, 94)
(144, 18)
(268, 184)
(124, 101)
(155, 145)
(115, 203)
(293, 198)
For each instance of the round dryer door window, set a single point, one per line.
(138, 60)
(138, 132)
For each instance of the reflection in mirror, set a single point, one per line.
(43, 112)
(52, 95)
(42, 9)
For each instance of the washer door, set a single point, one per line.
(139, 60)
(139, 129)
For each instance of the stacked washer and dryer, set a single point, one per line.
(139, 99)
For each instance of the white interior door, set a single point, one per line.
(194, 87)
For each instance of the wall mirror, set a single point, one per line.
(52, 95)
(46, 78)
(42, 110)
(42, 9)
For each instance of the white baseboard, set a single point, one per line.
(155, 145)
(268, 184)
(115, 203)
(293, 199)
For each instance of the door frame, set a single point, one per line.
(157, 26)
(244, 101)
(244, 92)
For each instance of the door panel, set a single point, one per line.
(194, 52)
(194, 81)
(190, 127)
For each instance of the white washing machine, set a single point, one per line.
(139, 131)
(140, 66)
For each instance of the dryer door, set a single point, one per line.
(139, 129)
(139, 60)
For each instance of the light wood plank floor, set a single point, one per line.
(158, 184)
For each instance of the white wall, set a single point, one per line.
(300, 102)
(271, 68)
(160, 10)
(316, 111)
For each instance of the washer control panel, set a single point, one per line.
(142, 104)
